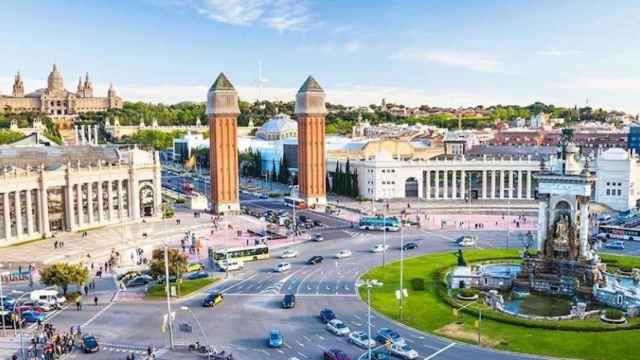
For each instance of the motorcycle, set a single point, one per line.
(222, 355)
(197, 347)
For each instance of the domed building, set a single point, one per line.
(278, 127)
(55, 100)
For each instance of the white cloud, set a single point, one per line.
(468, 60)
(559, 52)
(604, 83)
(280, 15)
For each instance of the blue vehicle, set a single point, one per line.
(89, 344)
(385, 334)
(327, 315)
(614, 244)
(198, 275)
(275, 339)
(32, 316)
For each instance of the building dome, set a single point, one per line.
(278, 127)
(55, 81)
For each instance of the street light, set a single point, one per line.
(204, 335)
(2, 303)
(24, 293)
(384, 232)
(455, 312)
(402, 292)
(369, 284)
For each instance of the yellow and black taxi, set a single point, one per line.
(212, 299)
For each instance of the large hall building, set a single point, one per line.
(55, 100)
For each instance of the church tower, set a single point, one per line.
(80, 89)
(18, 86)
(222, 112)
(88, 86)
(310, 112)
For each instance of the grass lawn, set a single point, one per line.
(187, 287)
(425, 310)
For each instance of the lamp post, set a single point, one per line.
(508, 219)
(455, 312)
(369, 284)
(23, 294)
(166, 276)
(384, 232)
(2, 303)
(401, 294)
(204, 335)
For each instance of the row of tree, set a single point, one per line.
(344, 182)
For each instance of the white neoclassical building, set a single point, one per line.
(47, 189)
(384, 176)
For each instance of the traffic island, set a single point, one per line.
(432, 310)
(182, 290)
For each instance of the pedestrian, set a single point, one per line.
(86, 290)
(149, 351)
(78, 305)
(95, 300)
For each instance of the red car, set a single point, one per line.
(36, 308)
(335, 354)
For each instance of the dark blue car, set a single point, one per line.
(327, 315)
(198, 275)
(32, 316)
(385, 334)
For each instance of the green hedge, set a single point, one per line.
(442, 292)
(614, 314)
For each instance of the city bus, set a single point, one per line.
(619, 232)
(294, 202)
(242, 254)
(379, 223)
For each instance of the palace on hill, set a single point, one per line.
(55, 100)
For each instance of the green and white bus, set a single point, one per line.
(379, 223)
(242, 254)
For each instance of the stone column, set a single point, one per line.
(29, 212)
(511, 190)
(528, 184)
(18, 208)
(77, 137)
(502, 175)
(100, 203)
(70, 209)
(90, 201)
(95, 134)
(80, 207)
(584, 227)
(446, 183)
(493, 184)
(437, 187)
(520, 177)
(427, 194)
(484, 184)
(7, 215)
(454, 184)
(82, 135)
(43, 206)
(542, 224)
(110, 201)
(463, 184)
(120, 200)
(133, 194)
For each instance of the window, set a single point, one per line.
(608, 192)
(619, 192)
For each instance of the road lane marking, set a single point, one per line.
(238, 283)
(439, 351)
(303, 355)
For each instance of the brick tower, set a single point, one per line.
(310, 111)
(223, 111)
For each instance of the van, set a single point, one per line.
(51, 297)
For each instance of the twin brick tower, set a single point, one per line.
(223, 111)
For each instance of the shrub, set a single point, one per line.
(614, 314)
(274, 194)
(468, 292)
(417, 284)
(180, 201)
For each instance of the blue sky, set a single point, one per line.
(449, 53)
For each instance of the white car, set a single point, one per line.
(338, 327)
(230, 265)
(379, 248)
(287, 254)
(343, 254)
(403, 351)
(282, 267)
(359, 338)
(466, 242)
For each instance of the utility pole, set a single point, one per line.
(401, 267)
(2, 303)
(384, 233)
(166, 276)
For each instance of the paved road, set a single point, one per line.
(252, 306)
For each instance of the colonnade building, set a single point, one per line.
(47, 189)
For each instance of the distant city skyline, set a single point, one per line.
(438, 53)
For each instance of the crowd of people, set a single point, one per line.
(49, 344)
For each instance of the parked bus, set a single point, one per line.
(379, 223)
(242, 254)
(294, 202)
(619, 232)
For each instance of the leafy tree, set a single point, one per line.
(159, 140)
(177, 262)
(64, 274)
(8, 136)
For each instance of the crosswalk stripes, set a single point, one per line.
(352, 234)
